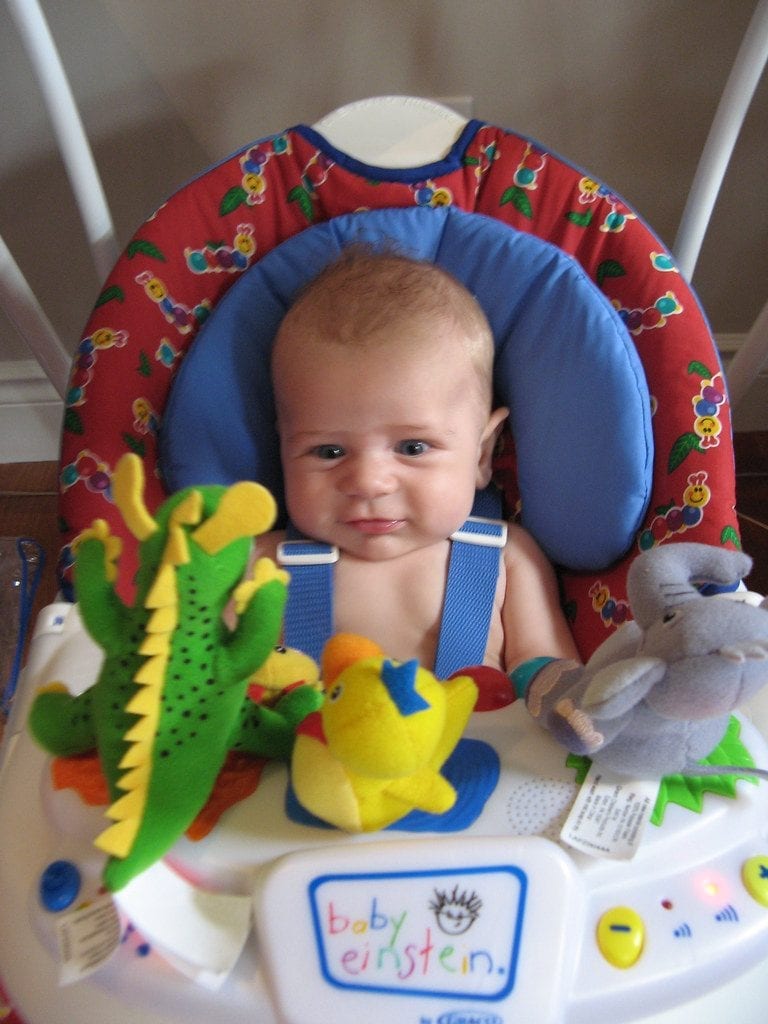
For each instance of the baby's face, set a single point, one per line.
(382, 447)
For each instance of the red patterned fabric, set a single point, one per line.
(184, 258)
(8, 1015)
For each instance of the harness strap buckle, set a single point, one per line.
(487, 533)
(306, 552)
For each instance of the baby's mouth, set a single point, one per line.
(375, 527)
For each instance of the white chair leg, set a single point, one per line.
(734, 103)
(19, 302)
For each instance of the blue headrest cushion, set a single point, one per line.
(565, 365)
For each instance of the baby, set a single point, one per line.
(382, 372)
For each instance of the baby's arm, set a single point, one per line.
(532, 618)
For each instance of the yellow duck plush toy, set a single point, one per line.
(374, 750)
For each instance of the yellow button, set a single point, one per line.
(754, 875)
(620, 936)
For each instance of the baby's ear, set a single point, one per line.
(493, 427)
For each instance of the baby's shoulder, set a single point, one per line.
(522, 552)
(519, 540)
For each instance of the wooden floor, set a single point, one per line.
(28, 507)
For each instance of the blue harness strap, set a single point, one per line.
(473, 572)
(309, 608)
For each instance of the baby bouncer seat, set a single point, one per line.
(667, 469)
(619, 441)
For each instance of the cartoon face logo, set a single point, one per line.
(153, 286)
(145, 419)
(589, 189)
(455, 912)
(599, 594)
(697, 493)
(708, 428)
(243, 241)
(255, 185)
(441, 197)
(105, 337)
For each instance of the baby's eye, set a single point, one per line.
(412, 447)
(328, 451)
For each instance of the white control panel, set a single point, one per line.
(422, 931)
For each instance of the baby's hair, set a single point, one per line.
(370, 289)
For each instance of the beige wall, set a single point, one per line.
(625, 88)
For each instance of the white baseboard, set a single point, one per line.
(31, 411)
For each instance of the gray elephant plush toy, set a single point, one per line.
(657, 695)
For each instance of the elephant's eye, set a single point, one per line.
(669, 618)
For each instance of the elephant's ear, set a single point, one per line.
(670, 575)
(618, 688)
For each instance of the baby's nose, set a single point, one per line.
(368, 476)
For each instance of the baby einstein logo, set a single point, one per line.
(431, 933)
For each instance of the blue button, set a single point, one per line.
(59, 885)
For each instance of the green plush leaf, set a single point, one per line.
(519, 199)
(109, 294)
(72, 422)
(141, 247)
(609, 268)
(234, 198)
(681, 449)
(730, 535)
(581, 220)
(688, 790)
(700, 370)
(470, 161)
(580, 765)
(299, 194)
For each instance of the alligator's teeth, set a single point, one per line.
(163, 589)
(152, 672)
(118, 838)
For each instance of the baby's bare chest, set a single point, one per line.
(397, 603)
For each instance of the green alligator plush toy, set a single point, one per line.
(172, 696)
